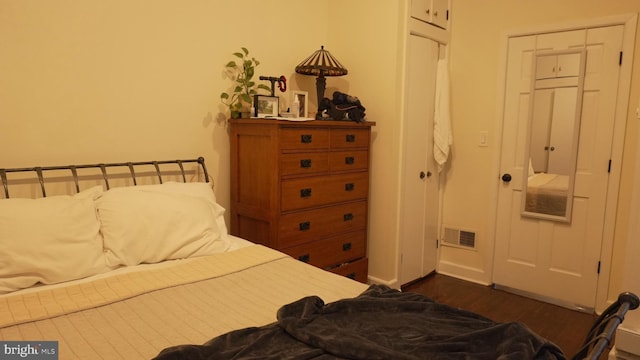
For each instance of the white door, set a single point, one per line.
(419, 207)
(554, 260)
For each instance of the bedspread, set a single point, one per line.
(381, 323)
(134, 315)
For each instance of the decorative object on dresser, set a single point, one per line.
(244, 89)
(299, 104)
(282, 83)
(321, 63)
(266, 106)
(302, 188)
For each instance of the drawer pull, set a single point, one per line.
(349, 160)
(346, 246)
(351, 138)
(305, 192)
(349, 187)
(306, 138)
(304, 258)
(304, 226)
(351, 276)
(348, 217)
(305, 163)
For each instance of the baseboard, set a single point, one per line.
(392, 284)
(462, 272)
(616, 354)
(628, 342)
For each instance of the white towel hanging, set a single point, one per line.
(442, 138)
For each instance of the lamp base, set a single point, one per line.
(321, 83)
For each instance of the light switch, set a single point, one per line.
(484, 138)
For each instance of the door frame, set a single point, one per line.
(629, 21)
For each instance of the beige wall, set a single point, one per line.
(372, 50)
(92, 81)
(478, 30)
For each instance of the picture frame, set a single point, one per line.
(266, 106)
(303, 100)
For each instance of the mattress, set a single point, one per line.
(137, 312)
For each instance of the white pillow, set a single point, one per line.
(49, 240)
(198, 189)
(152, 223)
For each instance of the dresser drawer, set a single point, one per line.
(348, 160)
(349, 138)
(330, 251)
(304, 226)
(356, 270)
(304, 163)
(304, 139)
(323, 190)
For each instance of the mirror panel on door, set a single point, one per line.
(553, 133)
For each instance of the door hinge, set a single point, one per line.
(620, 61)
(598, 267)
(609, 168)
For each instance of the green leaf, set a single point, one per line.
(250, 72)
(242, 74)
(264, 87)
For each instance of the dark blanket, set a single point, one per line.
(381, 323)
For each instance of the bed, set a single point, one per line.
(147, 269)
(547, 194)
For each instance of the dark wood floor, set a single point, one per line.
(564, 327)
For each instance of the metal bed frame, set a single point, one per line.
(601, 334)
(39, 170)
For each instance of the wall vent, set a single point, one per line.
(457, 237)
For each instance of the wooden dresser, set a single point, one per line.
(302, 188)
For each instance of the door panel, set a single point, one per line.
(555, 260)
(419, 193)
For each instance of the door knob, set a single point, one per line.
(506, 178)
(423, 175)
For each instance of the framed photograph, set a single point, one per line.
(266, 106)
(302, 98)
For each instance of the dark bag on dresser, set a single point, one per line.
(343, 107)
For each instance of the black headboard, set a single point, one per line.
(131, 166)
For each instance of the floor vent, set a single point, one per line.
(457, 237)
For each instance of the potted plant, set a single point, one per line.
(240, 99)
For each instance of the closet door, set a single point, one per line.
(558, 261)
(419, 194)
